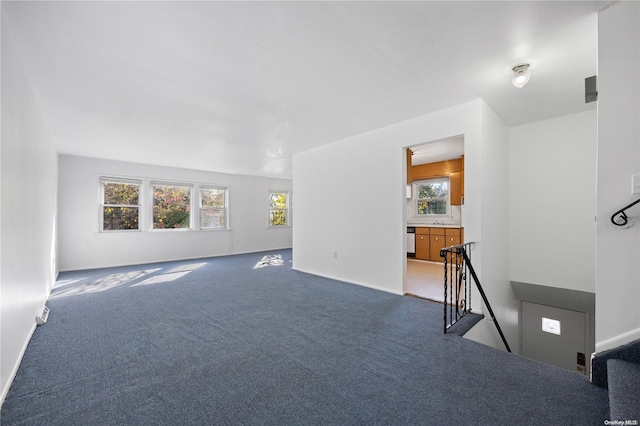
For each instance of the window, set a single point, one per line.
(213, 208)
(171, 206)
(432, 197)
(120, 204)
(278, 208)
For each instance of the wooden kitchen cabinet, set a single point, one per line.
(452, 237)
(422, 243)
(439, 169)
(409, 166)
(436, 243)
(456, 181)
(429, 242)
(440, 238)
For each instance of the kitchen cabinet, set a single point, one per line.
(456, 181)
(440, 238)
(422, 243)
(452, 237)
(435, 170)
(429, 241)
(436, 243)
(454, 169)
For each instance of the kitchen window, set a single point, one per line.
(432, 197)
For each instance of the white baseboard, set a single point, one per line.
(362, 284)
(176, 259)
(617, 341)
(7, 385)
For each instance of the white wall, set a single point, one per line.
(28, 207)
(552, 201)
(494, 226)
(82, 246)
(357, 209)
(618, 250)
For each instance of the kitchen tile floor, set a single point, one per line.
(425, 279)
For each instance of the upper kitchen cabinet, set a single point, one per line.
(409, 166)
(453, 169)
(438, 169)
(456, 180)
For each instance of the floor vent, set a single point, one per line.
(41, 318)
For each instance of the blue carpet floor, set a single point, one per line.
(247, 340)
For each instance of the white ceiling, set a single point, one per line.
(446, 149)
(238, 87)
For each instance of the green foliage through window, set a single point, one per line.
(171, 206)
(433, 197)
(278, 209)
(213, 209)
(120, 207)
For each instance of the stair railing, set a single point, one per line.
(621, 215)
(457, 288)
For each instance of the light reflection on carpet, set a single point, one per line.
(270, 260)
(103, 284)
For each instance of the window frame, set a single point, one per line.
(106, 179)
(447, 199)
(286, 209)
(190, 186)
(225, 209)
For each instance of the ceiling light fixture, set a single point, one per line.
(521, 75)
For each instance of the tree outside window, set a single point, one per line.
(278, 208)
(433, 197)
(120, 206)
(171, 206)
(213, 208)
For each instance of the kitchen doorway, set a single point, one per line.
(434, 207)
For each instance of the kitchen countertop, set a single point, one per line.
(429, 225)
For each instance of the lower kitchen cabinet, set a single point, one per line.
(429, 242)
(422, 243)
(437, 242)
(452, 237)
(441, 238)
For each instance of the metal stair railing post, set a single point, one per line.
(446, 279)
(484, 298)
(455, 275)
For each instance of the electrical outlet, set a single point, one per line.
(635, 184)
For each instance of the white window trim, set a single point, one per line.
(145, 203)
(416, 191)
(226, 207)
(105, 179)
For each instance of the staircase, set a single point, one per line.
(619, 371)
(465, 324)
(459, 275)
